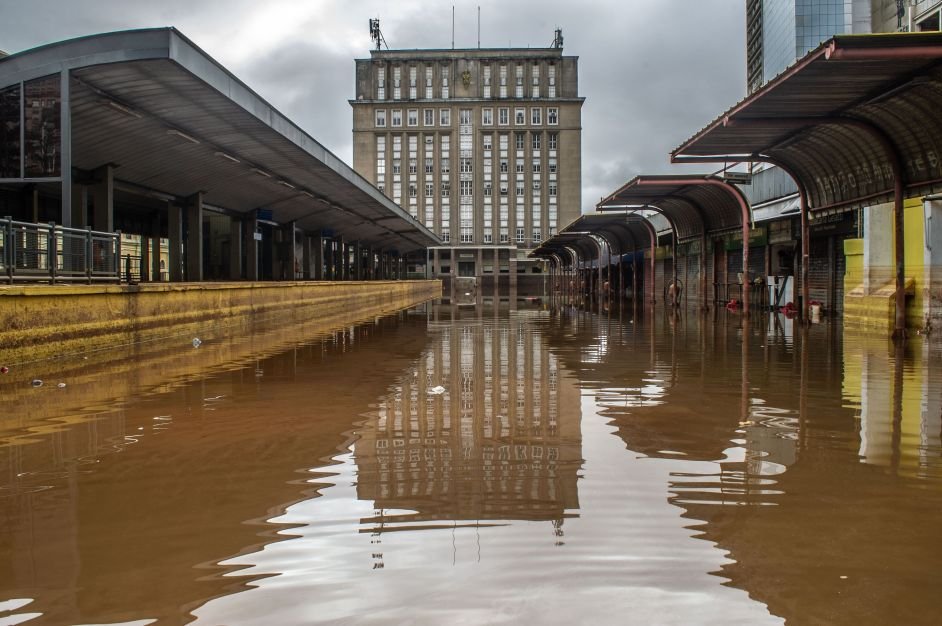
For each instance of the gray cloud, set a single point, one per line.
(653, 73)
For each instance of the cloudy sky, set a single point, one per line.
(653, 72)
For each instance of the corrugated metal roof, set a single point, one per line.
(693, 204)
(176, 121)
(831, 117)
(624, 233)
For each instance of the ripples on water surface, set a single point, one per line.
(475, 465)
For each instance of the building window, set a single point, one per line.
(397, 93)
(536, 116)
(519, 190)
(412, 190)
(520, 166)
(487, 188)
(537, 236)
(380, 118)
(536, 141)
(536, 167)
(551, 75)
(397, 117)
(519, 140)
(429, 117)
(464, 116)
(446, 165)
(412, 83)
(429, 165)
(535, 81)
(380, 83)
(553, 140)
(467, 235)
(520, 235)
(444, 117)
(504, 187)
(487, 142)
(429, 190)
(504, 236)
(504, 168)
(488, 236)
(487, 117)
(552, 116)
(487, 81)
(413, 117)
(518, 91)
(465, 188)
(552, 189)
(397, 166)
(552, 166)
(446, 235)
(466, 165)
(446, 189)
(428, 81)
(503, 82)
(520, 117)
(503, 116)
(412, 166)
(445, 71)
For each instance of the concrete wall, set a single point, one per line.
(38, 322)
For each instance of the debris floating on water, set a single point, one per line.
(37, 383)
(436, 390)
(4, 369)
(61, 385)
(196, 342)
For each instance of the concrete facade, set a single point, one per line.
(482, 146)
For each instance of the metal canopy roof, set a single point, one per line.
(840, 117)
(693, 204)
(175, 121)
(627, 232)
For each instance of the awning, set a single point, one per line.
(841, 119)
(176, 122)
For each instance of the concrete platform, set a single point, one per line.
(42, 321)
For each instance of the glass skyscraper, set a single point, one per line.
(781, 31)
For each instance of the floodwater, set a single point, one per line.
(479, 465)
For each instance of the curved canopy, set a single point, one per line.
(624, 233)
(693, 204)
(175, 122)
(842, 119)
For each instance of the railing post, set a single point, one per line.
(9, 247)
(51, 252)
(116, 264)
(89, 255)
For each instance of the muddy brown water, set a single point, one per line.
(480, 465)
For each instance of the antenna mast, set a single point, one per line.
(558, 38)
(377, 35)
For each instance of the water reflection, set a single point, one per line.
(482, 429)
(486, 464)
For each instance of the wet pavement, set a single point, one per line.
(476, 464)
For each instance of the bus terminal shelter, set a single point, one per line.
(142, 133)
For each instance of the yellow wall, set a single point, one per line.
(914, 259)
(38, 322)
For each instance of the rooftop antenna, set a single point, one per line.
(558, 38)
(377, 35)
(452, 27)
(479, 27)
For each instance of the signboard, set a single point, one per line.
(757, 237)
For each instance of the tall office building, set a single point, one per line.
(780, 31)
(483, 146)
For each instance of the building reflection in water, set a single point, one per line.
(485, 428)
(895, 389)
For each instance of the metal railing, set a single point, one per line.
(46, 252)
